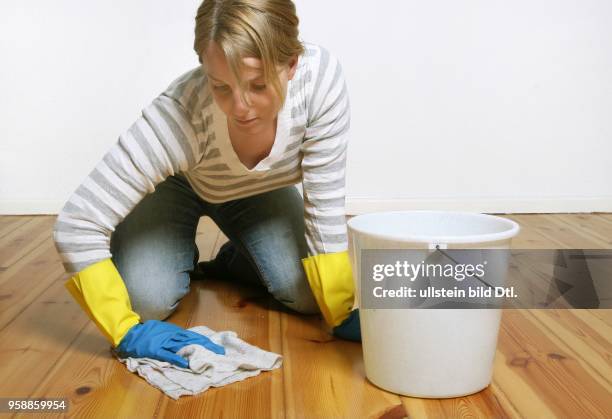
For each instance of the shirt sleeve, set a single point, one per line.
(160, 143)
(324, 159)
(327, 267)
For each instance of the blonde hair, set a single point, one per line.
(263, 29)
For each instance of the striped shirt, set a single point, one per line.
(183, 131)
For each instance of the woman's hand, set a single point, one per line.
(349, 329)
(161, 340)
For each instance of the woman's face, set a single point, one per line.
(259, 114)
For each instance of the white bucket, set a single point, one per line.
(431, 353)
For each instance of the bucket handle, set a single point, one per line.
(435, 246)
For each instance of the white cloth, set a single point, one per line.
(206, 368)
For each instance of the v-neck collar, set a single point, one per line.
(227, 149)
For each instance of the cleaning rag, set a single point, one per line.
(206, 368)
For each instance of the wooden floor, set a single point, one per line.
(549, 363)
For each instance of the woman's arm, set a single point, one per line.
(159, 143)
(323, 166)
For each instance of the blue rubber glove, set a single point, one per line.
(349, 329)
(161, 340)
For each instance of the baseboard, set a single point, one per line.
(30, 207)
(355, 206)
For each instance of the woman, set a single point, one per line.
(228, 139)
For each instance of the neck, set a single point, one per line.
(238, 134)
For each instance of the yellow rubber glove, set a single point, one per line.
(101, 293)
(331, 280)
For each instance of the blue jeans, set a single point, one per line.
(154, 247)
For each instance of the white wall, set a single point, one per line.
(490, 106)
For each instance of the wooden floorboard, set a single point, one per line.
(325, 375)
(549, 363)
(24, 239)
(9, 223)
(542, 368)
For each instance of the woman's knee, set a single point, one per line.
(292, 290)
(154, 310)
(305, 304)
(156, 303)
(155, 290)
